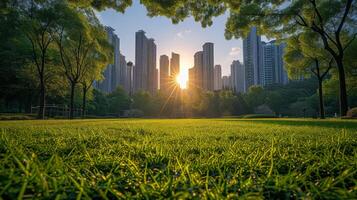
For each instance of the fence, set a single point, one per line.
(53, 110)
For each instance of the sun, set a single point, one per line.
(181, 80)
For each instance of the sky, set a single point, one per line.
(184, 38)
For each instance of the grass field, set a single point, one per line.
(183, 158)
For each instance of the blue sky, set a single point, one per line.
(184, 38)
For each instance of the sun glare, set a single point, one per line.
(181, 80)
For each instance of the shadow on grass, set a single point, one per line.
(347, 124)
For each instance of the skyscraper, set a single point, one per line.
(238, 77)
(122, 72)
(114, 40)
(141, 62)
(208, 64)
(192, 78)
(226, 82)
(156, 80)
(174, 64)
(252, 58)
(130, 77)
(105, 84)
(152, 71)
(164, 72)
(114, 74)
(198, 65)
(282, 73)
(273, 64)
(217, 77)
(145, 71)
(269, 63)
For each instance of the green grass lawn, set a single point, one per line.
(183, 158)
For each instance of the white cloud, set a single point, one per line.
(182, 34)
(235, 51)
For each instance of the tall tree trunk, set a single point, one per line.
(321, 100)
(320, 77)
(84, 102)
(28, 101)
(71, 109)
(41, 110)
(343, 91)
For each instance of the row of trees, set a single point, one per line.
(51, 44)
(296, 99)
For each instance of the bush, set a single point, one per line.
(263, 110)
(352, 113)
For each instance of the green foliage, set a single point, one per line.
(143, 101)
(119, 5)
(226, 100)
(178, 159)
(99, 105)
(240, 106)
(223, 103)
(210, 105)
(331, 88)
(301, 54)
(283, 100)
(31, 60)
(302, 109)
(255, 96)
(15, 86)
(275, 100)
(119, 101)
(161, 103)
(84, 49)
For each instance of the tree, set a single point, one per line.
(255, 96)
(306, 55)
(15, 56)
(38, 23)
(119, 101)
(211, 104)
(226, 101)
(143, 101)
(100, 105)
(275, 101)
(87, 82)
(80, 48)
(322, 21)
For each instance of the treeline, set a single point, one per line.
(296, 99)
(48, 49)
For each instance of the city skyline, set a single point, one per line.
(184, 38)
(262, 65)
